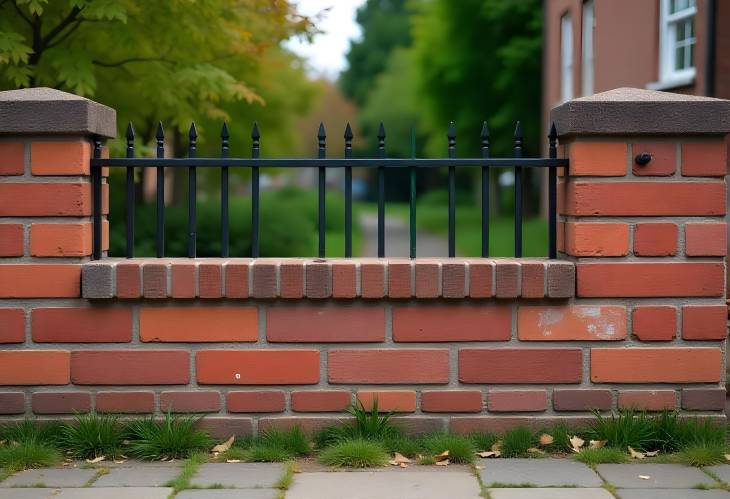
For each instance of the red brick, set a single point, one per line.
(154, 280)
(45, 199)
(596, 239)
(320, 401)
(210, 279)
(647, 400)
(655, 239)
(11, 239)
(582, 400)
(344, 280)
(413, 426)
(12, 403)
(663, 159)
(40, 280)
(625, 280)
(197, 401)
(130, 367)
(654, 323)
(520, 365)
(533, 279)
(12, 158)
(325, 323)
(318, 279)
(516, 400)
(399, 279)
(388, 400)
(656, 365)
(12, 325)
(560, 279)
(129, 280)
(598, 159)
(198, 324)
(466, 425)
(309, 424)
(183, 279)
(58, 239)
(57, 157)
(372, 279)
(427, 279)
(125, 402)
(34, 367)
(452, 323)
(703, 399)
(61, 402)
(507, 277)
(704, 158)
(291, 279)
(264, 279)
(454, 279)
(481, 276)
(704, 322)
(388, 366)
(571, 322)
(645, 198)
(223, 427)
(236, 280)
(257, 367)
(705, 239)
(256, 401)
(451, 401)
(82, 325)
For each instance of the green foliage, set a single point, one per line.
(702, 455)
(355, 453)
(592, 457)
(28, 454)
(516, 441)
(190, 467)
(172, 437)
(32, 431)
(627, 428)
(409, 446)
(268, 454)
(561, 438)
(461, 449)
(92, 435)
(371, 424)
(483, 441)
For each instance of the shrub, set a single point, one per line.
(461, 449)
(28, 454)
(172, 437)
(92, 435)
(355, 453)
(516, 442)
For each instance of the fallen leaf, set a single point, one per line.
(443, 456)
(445, 462)
(403, 465)
(535, 450)
(576, 443)
(635, 454)
(224, 446)
(120, 461)
(96, 460)
(297, 469)
(651, 454)
(488, 454)
(233, 460)
(400, 458)
(645, 477)
(546, 439)
(496, 446)
(479, 467)
(727, 457)
(597, 444)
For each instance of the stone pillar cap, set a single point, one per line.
(47, 111)
(633, 111)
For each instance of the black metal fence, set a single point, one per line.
(322, 163)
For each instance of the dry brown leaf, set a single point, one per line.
(224, 446)
(96, 460)
(576, 443)
(489, 453)
(635, 454)
(403, 465)
(546, 439)
(400, 458)
(597, 444)
(653, 453)
(233, 460)
(479, 467)
(496, 446)
(120, 461)
(297, 469)
(727, 457)
(443, 456)
(535, 450)
(645, 477)
(445, 462)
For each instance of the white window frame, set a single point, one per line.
(669, 77)
(566, 57)
(587, 53)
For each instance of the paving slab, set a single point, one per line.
(50, 477)
(378, 485)
(539, 472)
(661, 476)
(26, 493)
(238, 475)
(77, 493)
(229, 494)
(721, 471)
(551, 493)
(671, 494)
(138, 476)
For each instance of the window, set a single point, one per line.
(586, 63)
(566, 58)
(677, 43)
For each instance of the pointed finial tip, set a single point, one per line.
(160, 131)
(518, 129)
(452, 130)
(224, 130)
(130, 131)
(193, 132)
(348, 131)
(255, 134)
(381, 131)
(553, 130)
(321, 133)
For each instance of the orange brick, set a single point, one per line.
(210, 275)
(130, 367)
(182, 279)
(704, 322)
(645, 198)
(704, 158)
(320, 401)
(520, 365)
(40, 281)
(12, 158)
(291, 279)
(650, 279)
(81, 325)
(427, 279)
(655, 239)
(451, 401)
(257, 367)
(481, 275)
(190, 401)
(388, 366)
(372, 279)
(48, 199)
(647, 400)
(705, 239)
(256, 401)
(344, 279)
(596, 239)
(598, 159)
(12, 325)
(11, 239)
(125, 402)
(657, 323)
(399, 279)
(567, 323)
(306, 323)
(452, 323)
(198, 324)
(656, 365)
(388, 400)
(663, 159)
(60, 239)
(517, 400)
(129, 279)
(533, 279)
(34, 367)
(67, 157)
(236, 278)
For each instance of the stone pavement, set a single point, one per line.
(495, 479)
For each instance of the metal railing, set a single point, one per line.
(322, 163)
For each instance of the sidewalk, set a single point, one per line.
(501, 479)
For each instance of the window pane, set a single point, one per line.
(677, 5)
(691, 51)
(679, 58)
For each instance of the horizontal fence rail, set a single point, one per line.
(322, 163)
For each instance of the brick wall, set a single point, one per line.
(632, 314)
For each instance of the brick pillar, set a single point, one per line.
(650, 236)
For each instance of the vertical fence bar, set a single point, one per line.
(552, 193)
(381, 192)
(192, 191)
(130, 193)
(485, 191)
(255, 149)
(160, 229)
(412, 197)
(322, 188)
(518, 191)
(452, 191)
(225, 245)
(348, 193)
(96, 181)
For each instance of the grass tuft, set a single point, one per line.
(604, 455)
(268, 454)
(92, 435)
(461, 449)
(182, 481)
(627, 428)
(288, 477)
(409, 446)
(701, 455)
(173, 437)
(483, 441)
(367, 424)
(292, 441)
(516, 442)
(30, 454)
(356, 453)
(32, 431)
